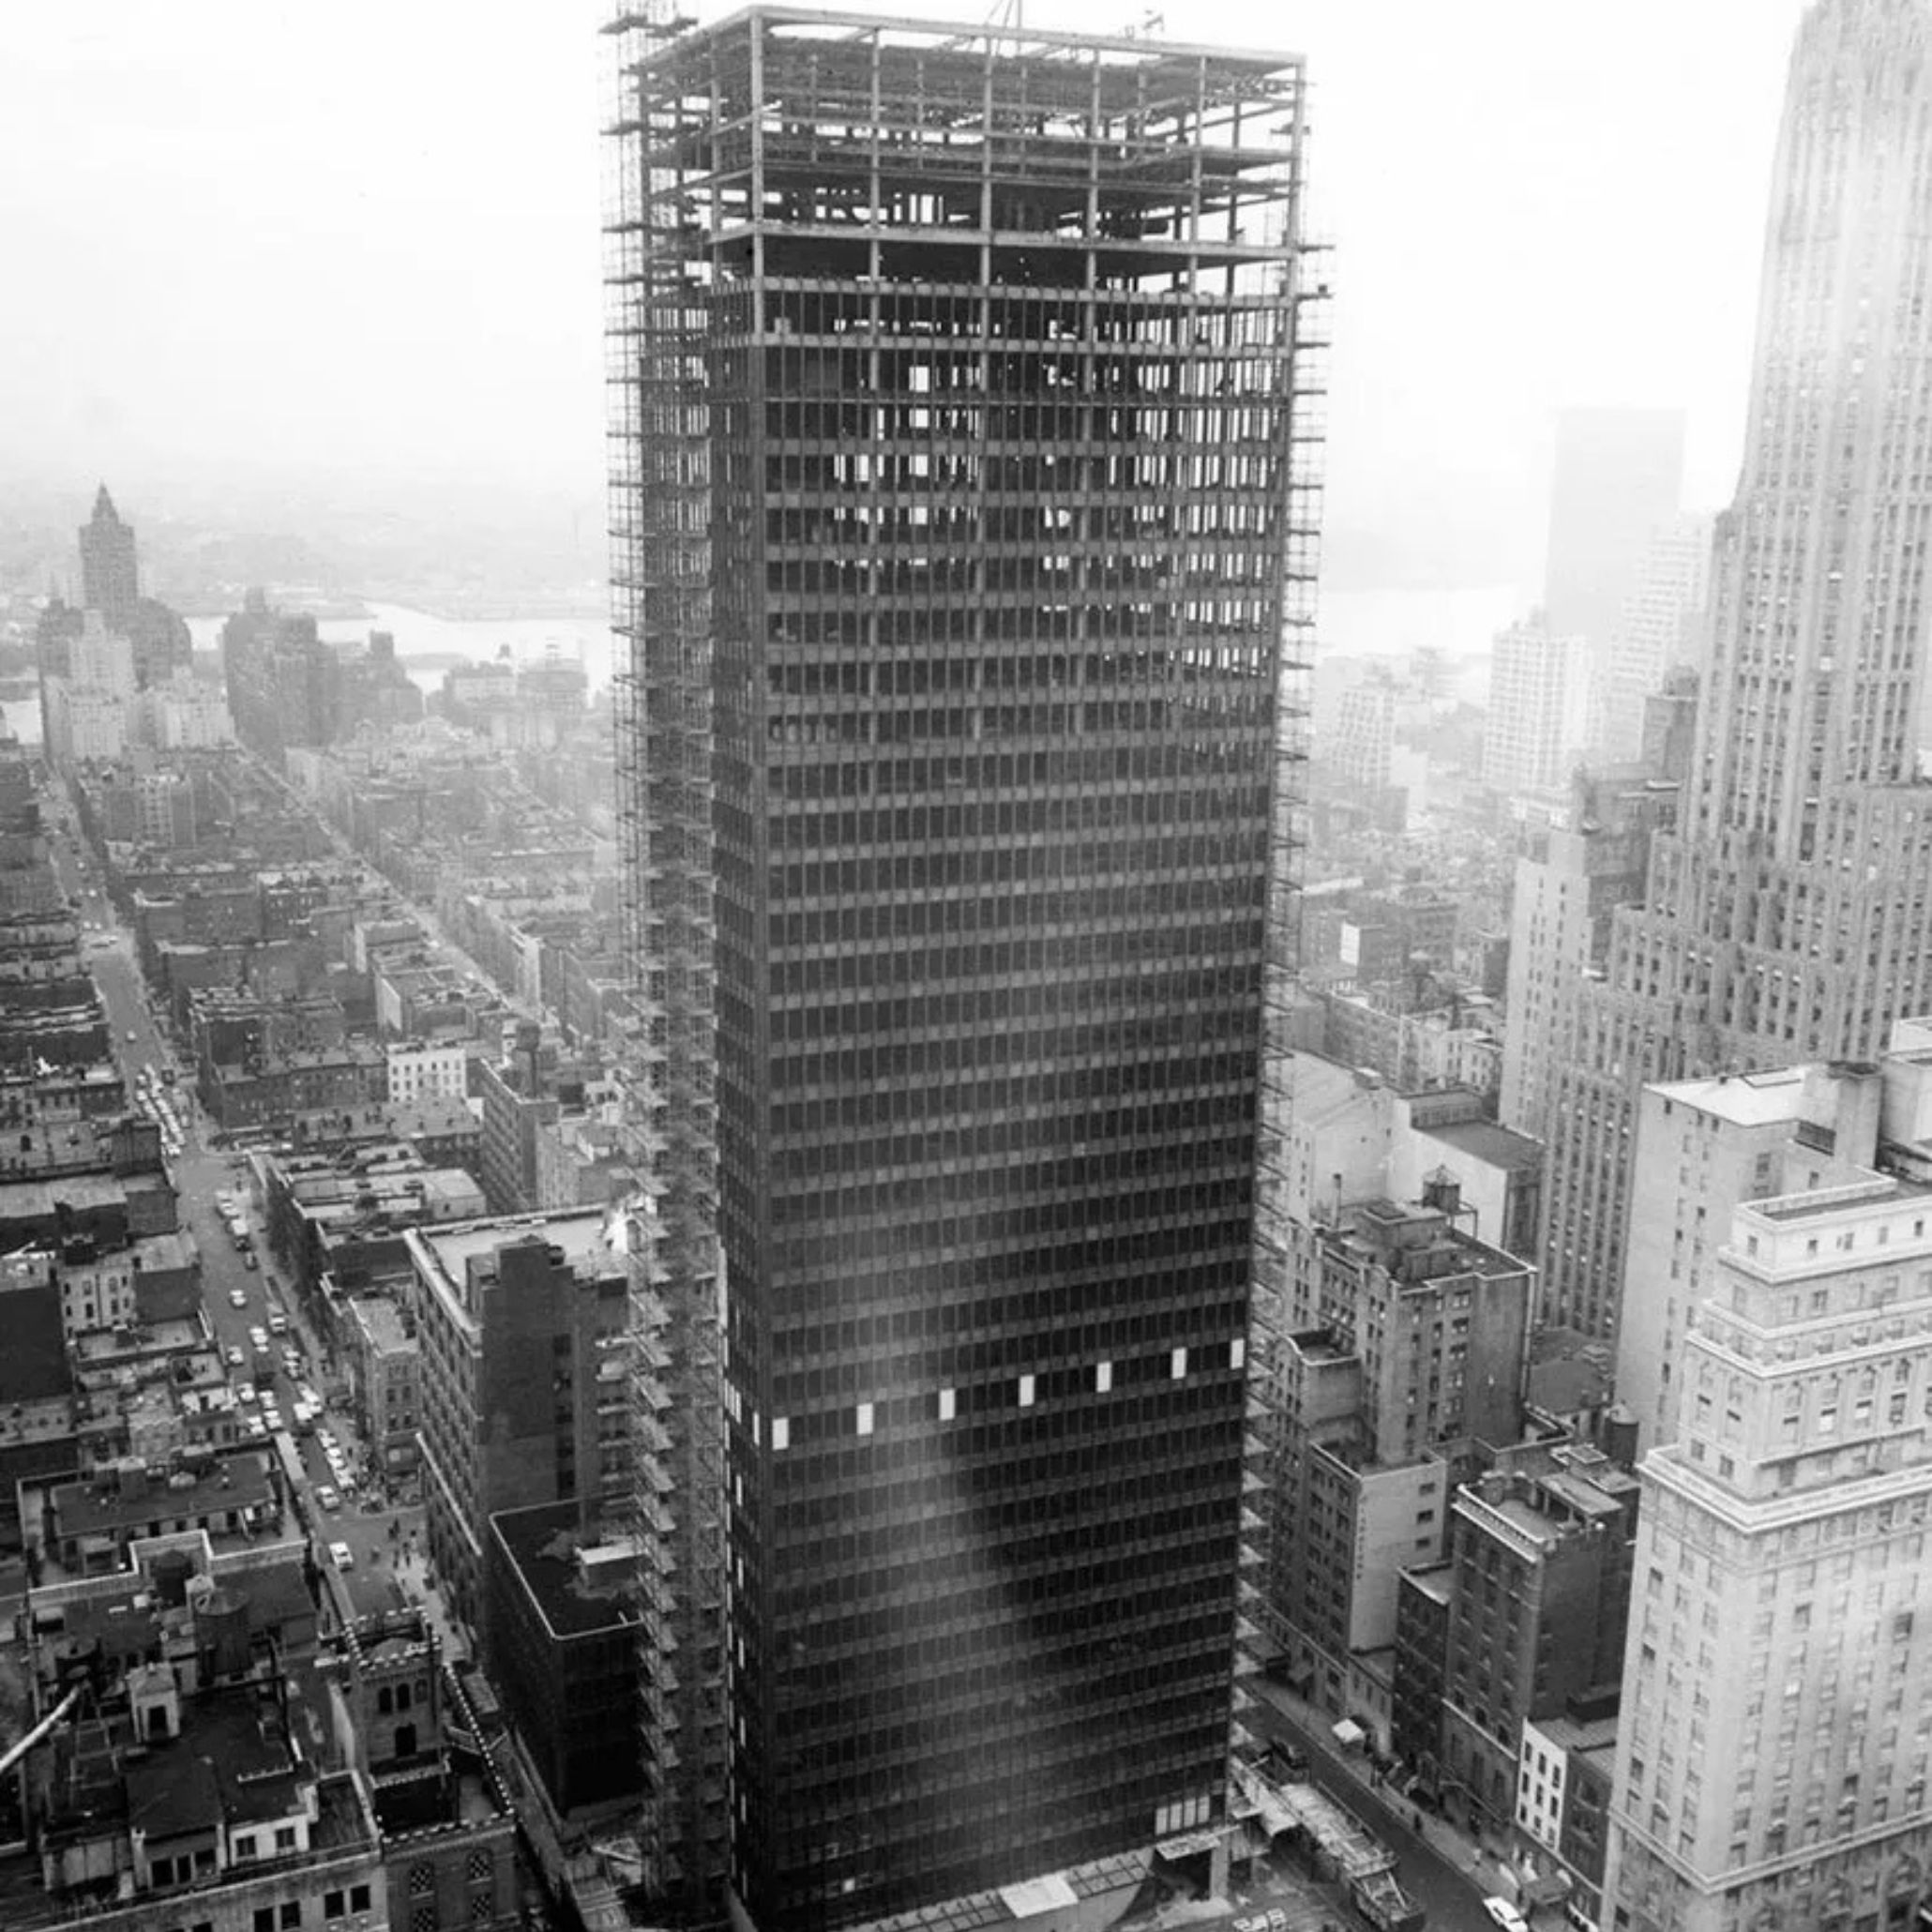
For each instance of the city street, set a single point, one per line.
(1450, 1894)
(200, 1175)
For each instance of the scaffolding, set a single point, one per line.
(660, 483)
(1261, 1632)
(1009, 453)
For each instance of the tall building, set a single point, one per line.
(1569, 880)
(1418, 1346)
(964, 495)
(109, 581)
(1775, 1735)
(1617, 477)
(1538, 718)
(1661, 627)
(523, 1372)
(1702, 1148)
(1787, 919)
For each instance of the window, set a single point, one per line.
(284, 1837)
(359, 1899)
(332, 1905)
(291, 1914)
(265, 1918)
(244, 1845)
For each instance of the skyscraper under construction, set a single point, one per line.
(1790, 918)
(964, 437)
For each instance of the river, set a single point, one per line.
(1460, 623)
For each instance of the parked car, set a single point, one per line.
(328, 1498)
(1505, 1915)
(238, 1298)
(341, 1556)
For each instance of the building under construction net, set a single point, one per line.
(964, 508)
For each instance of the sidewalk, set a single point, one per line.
(1454, 1846)
(409, 1571)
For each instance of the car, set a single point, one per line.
(237, 1359)
(238, 1298)
(277, 1322)
(259, 1335)
(1505, 1915)
(328, 1498)
(257, 1428)
(129, 1036)
(248, 1259)
(327, 1440)
(245, 1394)
(341, 1556)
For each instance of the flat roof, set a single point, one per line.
(544, 1551)
(1744, 1099)
(237, 1481)
(382, 1321)
(1501, 1147)
(579, 1231)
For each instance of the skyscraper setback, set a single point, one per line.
(1789, 919)
(965, 518)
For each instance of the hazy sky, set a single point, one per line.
(361, 238)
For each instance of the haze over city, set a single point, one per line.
(288, 259)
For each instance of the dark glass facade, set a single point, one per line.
(994, 337)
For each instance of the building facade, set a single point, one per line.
(1662, 626)
(1539, 710)
(110, 577)
(1702, 1148)
(959, 501)
(1776, 1728)
(1569, 880)
(521, 1327)
(1541, 1548)
(1787, 919)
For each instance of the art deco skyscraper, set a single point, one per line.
(110, 581)
(964, 516)
(1791, 918)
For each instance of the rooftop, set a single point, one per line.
(579, 1231)
(381, 1321)
(1501, 1147)
(1744, 1099)
(92, 1507)
(544, 1551)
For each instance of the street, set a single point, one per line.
(200, 1176)
(1452, 1899)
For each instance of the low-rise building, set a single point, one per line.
(385, 1374)
(402, 1719)
(561, 1608)
(1563, 1785)
(1542, 1548)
